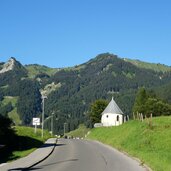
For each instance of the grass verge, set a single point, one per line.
(151, 144)
(25, 143)
(80, 132)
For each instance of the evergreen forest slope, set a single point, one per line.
(71, 90)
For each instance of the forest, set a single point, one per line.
(71, 91)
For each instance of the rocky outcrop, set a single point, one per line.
(8, 66)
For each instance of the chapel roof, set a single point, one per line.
(112, 108)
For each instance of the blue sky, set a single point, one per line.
(60, 33)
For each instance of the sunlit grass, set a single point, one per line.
(29, 141)
(151, 144)
(80, 132)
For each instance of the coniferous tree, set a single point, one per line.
(147, 102)
(141, 98)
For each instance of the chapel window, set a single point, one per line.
(117, 118)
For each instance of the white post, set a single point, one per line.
(35, 129)
(64, 128)
(52, 124)
(43, 112)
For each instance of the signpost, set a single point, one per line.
(36, 121)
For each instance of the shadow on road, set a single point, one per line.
(38, 168)
(49, 145)
(23, 169)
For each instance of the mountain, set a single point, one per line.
(1, 65)
(15, 84)
(71, 90)
(12, 65)
(102, 77)
(12, 71)
(152, 66)
(35, 69)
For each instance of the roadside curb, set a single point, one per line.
(44, 157)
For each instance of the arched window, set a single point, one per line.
(117, 118)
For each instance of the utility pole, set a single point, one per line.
(43, 111)
(64, 128)
(52, 123)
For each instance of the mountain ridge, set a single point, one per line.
(71, 90)
(50, 71)
(153, 66)
(11, 64)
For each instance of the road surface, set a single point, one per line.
(84, 155)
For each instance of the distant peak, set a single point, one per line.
(9, 65)
(102, 56)
(12, 58)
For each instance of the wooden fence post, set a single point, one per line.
(151, 117)
(133, 116)
(127, 117)
(142, 117)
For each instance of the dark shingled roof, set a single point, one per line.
(112, 108)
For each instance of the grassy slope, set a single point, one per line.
(8, 99)
(29, 131)
(80, 132)
(29, 141)
(151, 145)
(13, 114)
(34, 70)
(152, 66)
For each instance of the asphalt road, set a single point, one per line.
(83, 155)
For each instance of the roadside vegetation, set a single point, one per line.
(80, 132)
(96, 108)
(18, 141)
(151, 143)
(28, 141)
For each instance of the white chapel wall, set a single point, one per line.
(109, 119)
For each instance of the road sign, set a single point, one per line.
(36, 121)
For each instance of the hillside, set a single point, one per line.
(13, 113)
(35, 69)
(71, 90)
(102, 77)
(151, 66)
(152, 145)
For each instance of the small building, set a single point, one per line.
(112, 115)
